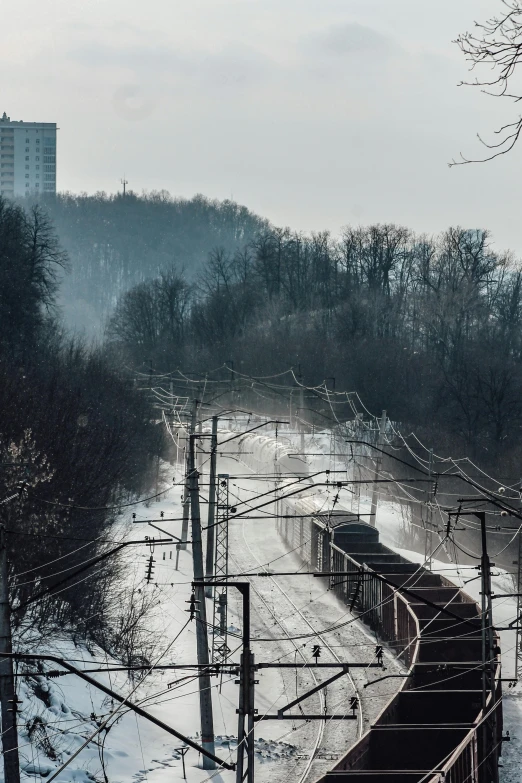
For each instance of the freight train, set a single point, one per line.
(445, 721)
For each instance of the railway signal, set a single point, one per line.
(182, 750)
(316, 651)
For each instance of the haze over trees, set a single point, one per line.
(75, 441)
(114, 243)
(427, 327)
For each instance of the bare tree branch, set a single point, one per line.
(497, 44)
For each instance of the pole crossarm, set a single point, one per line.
(253, 429)
(114, 695)
(216, 669)
(150, 524)
(392, 456)
(343, 665)
(318, 687)
(304, 717)
(211, 670)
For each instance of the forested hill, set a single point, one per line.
(115, 242)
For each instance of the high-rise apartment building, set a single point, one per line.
(27, 157)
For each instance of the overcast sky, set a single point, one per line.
(314, 113)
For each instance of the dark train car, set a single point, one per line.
(438, 727)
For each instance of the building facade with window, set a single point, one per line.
(27, 157)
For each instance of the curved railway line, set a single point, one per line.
(322, 725)
(319, 737)
(316, 633)
(444, 724)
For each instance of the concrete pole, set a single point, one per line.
(246, 711)
(519, 590)
(428, 548)
(186, 491)
(211, 537)
(205, 693)
(301, 417)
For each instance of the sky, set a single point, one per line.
(314, 113)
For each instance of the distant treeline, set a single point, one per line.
(115, 242)
(428, 328)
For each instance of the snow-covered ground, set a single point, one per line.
(135, 750)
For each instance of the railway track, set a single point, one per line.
(318, 739)
(322, 725)
(318, 634)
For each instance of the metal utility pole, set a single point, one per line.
(220, 650)
(7, 687)
(172, 415)
(356, 469)
(246, 711)
(519, 591)
(378, 463)
(124, 182)
(186, 489)
(185, 502)
(205, 693)
(230, 365)
(211, 538)
(301, 409)
(200, 449)
(428, 541)
(489, 765)
(301, 413)
(194, 416)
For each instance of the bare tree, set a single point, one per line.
(152, 316)
(497, 43)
